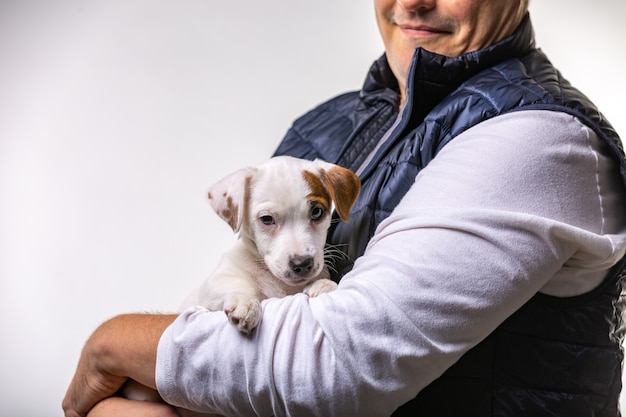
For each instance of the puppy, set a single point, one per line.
(282, 211)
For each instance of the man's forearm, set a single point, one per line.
(126, 345)
(123, 347)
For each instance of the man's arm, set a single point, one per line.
(122, 407)
(493, 219)
(121, 348)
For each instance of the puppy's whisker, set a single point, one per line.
(335, 219)
(260, 263)
(333, 255)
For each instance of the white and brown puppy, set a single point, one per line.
(282, 211)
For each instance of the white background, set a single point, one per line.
(116, 116)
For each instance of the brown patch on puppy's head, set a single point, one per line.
(319, 194)
(335, 183)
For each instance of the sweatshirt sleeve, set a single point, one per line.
(495, 218)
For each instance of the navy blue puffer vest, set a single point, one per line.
(554, 356)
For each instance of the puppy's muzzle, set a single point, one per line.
(301, 265)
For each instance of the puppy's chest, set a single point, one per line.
(271, 287)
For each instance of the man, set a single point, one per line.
(489, 241)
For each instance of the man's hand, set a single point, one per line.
(89, 385)
(121, 348)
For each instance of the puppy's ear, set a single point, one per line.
(228, 196)
(343, 186)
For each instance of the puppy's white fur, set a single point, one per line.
(282, 211)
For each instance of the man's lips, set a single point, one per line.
(420, 30)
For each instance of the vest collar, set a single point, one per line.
(433, 76)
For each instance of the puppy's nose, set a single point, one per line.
(301, 265)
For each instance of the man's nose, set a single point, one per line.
(413, 6)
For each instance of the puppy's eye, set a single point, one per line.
(268, 220)
(317, 213)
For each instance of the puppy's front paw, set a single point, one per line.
(243, 312)
(319, 286)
